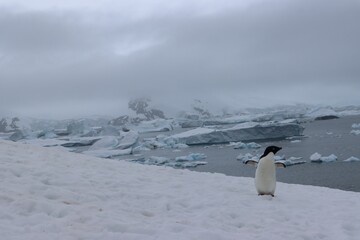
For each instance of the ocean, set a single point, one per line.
(324, 136)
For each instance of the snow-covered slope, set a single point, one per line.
(52, 194)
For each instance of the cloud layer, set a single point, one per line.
(80, 59)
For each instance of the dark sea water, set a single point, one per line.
(325, 137)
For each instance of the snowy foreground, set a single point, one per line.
(48, 193)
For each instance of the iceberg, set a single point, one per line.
(250, 131)
(356, 125)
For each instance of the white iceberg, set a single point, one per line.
(242, 132)
(356, 125)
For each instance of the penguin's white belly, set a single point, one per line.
(265, 176)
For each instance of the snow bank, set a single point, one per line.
(51, 194)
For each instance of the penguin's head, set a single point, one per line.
(269, 149)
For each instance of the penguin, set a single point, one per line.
(265, 175)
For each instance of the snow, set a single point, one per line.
(48, 193)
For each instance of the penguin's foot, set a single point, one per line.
(262, 194)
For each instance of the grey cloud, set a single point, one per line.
(280, 48)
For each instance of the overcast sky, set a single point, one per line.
(77, 57)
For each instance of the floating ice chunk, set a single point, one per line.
(241, 145)
(352, 159)
(295, 141)
(293, 161)
(246, 157)
(356, 125)
(191, 157)
(355, 132)
(315, 157)
(330, 158)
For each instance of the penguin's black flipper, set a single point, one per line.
(251, 162)
(280, 165)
